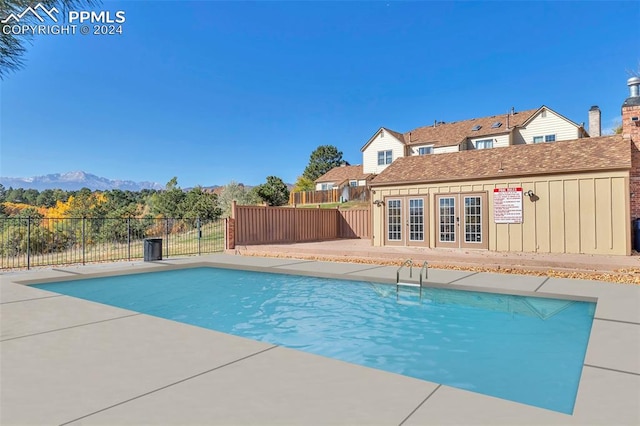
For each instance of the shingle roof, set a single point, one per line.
(341, 173)
(447, 134)
(456, 132)
(587, 154)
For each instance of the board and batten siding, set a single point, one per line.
(383, 141)
(552, 124)
(574, 213)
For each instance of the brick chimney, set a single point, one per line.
(595, 128)
(631, 132)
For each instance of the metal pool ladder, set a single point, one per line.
(400, 284)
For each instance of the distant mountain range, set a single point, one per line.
(73, 181)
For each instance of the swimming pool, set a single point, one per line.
(529, 350)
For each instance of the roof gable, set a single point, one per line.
(393, 133)
(543, 108)
(590, 154)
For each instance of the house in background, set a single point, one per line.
(515, 128)
(576, 195)
(351, 181)
(343, 176)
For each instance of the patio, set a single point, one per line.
(70, 361)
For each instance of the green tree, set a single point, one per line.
(31, 196)
(303, 184)
(167, 202)
(201, 205)
(3, 193)
(15, 195)
(237, 192)
(13, 47)
(323, 159)
(274, 192)
(46, 198)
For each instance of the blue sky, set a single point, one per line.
(217, 91)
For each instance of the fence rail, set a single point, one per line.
(272, 225)
(337, 195)
(28, 242)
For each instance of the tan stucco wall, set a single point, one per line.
(574, 213)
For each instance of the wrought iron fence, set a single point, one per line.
(27, 242)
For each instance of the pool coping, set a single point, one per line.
(608, 391)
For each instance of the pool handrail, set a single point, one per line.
(425, 268)
(406, 262)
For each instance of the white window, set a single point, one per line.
(484, 144)
(353, 183)
(326, 186)
(425, 150)
(545, 138)
(385, 157)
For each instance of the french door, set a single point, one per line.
(461, 220)
(406, 221)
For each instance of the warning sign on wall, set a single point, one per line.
(507, 205)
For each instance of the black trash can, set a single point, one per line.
(152, 249)
(636, 235)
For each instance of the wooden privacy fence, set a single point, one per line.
(354, 223)
(272, 225)
(350, 193)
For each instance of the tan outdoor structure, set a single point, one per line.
(579, 199)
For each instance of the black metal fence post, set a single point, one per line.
(129, 238)
(199, 234)
(167, 234)
(28, 242)
(83, 239)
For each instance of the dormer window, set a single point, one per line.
(425, 150)
(545, 138)
(484, 144)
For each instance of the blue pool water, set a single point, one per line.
(524, 349)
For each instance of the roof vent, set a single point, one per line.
(476, 128)
(496, 125)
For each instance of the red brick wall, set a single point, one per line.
(631, 131)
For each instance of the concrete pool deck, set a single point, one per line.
(68, 361)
